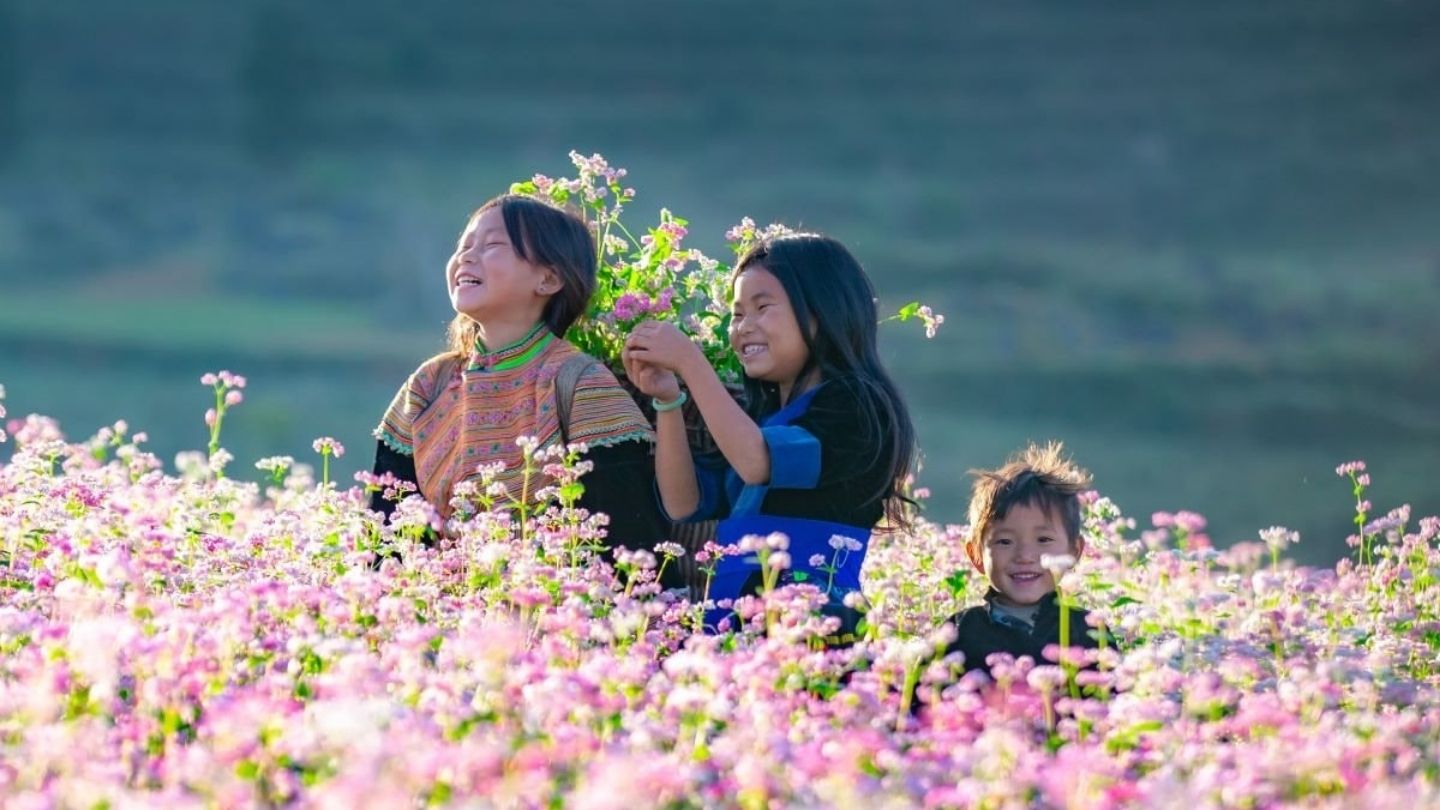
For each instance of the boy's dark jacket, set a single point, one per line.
(978, 635)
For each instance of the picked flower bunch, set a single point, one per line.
(653, 276)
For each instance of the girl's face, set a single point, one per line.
(764, 332)
(487, 279)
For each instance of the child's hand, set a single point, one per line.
(652, 380)
(663, 345)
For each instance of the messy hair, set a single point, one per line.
(1036, 476)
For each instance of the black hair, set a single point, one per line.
(820, 276)
(1039, 476)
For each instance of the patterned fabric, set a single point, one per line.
(453, 416)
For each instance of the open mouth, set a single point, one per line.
(1025, 577)
(752, 349)
(467, 281)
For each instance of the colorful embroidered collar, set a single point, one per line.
(515, 355)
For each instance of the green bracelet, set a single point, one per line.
(661, 407)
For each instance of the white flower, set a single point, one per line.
(1057, 564)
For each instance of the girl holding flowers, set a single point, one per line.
(824, 442)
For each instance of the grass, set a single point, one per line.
(252, 327)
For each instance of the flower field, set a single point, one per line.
(189, 639)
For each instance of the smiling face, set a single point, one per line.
(764, 332)
(488, 280)
(1010, 554)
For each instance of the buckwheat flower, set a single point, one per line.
(1045, 678)
(527, 445)
(670, 549)
(1363, 479)
(1057, 564)
(1277, 538)
(275, 463)
(931, 320)
(744, 230)
(630, 306)
(662, 302)
(219, 459)
(209, 379)
(210, 417)
(326, 445)
(817, 560)
(234, 397)
(779, 560)
(1349, 468)
(777, 541)
(1189, 521)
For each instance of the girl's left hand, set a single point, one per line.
(663, 345)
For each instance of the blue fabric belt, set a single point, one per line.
(807, 538)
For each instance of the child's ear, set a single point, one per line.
(550, 283)
(977, 558)
(1077, 547)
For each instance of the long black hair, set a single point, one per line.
(834, 304)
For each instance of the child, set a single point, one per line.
(522, 272)
(1019, 514)
(825, 440)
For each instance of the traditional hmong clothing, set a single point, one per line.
(437, 431)
(826, 468)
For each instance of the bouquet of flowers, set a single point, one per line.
(653, 275)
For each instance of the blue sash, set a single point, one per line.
(807, 537)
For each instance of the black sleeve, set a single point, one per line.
(622, 485)
(397, 464)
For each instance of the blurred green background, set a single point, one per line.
(1198, 241)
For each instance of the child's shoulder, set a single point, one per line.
(431, 376)
(970, 614)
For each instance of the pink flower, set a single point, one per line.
(327, 446)
(630, 306)
(1350, 468)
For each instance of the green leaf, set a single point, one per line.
(956, 582)
(908, 311)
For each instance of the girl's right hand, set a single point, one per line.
(652, 380)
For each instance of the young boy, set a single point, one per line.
(1020, 513)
